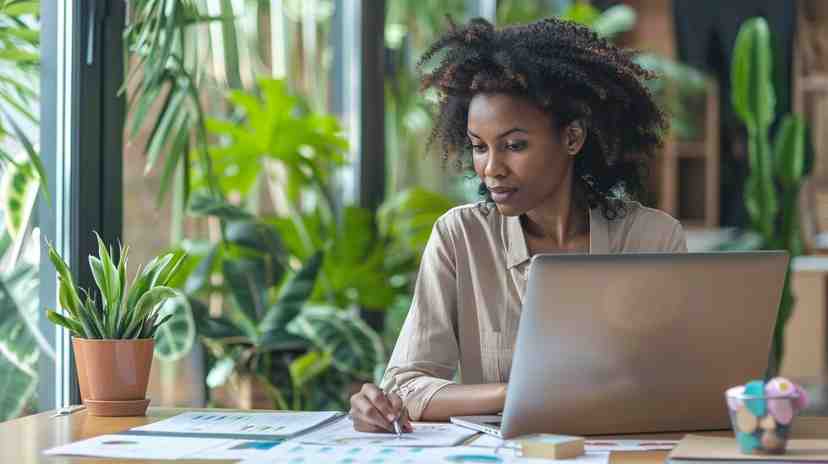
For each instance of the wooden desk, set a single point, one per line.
(23, 440)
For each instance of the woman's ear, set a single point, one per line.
(574, 137)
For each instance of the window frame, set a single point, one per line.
(82, 118)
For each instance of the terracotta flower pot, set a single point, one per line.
(113, 375)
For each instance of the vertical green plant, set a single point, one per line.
(776, 167)
(21, 342)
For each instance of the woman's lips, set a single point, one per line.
(501, 195)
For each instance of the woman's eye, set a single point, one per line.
(478, 148)
(516, 146)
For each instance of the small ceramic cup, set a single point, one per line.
(761, 422)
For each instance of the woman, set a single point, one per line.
(557, 123)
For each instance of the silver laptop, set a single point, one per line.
(637, 343)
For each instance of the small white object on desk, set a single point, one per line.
(65, 411)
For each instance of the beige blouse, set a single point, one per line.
(477, 260)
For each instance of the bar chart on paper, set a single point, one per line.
(308, 454)
(342, 433)
(239, 424)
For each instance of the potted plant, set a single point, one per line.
(113, 332)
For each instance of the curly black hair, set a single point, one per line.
(573, 75)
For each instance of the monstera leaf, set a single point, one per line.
(19, 351)
(354, 267)
(174, 339)
(274, 127)
(354, 347)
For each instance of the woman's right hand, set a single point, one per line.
(374, 411)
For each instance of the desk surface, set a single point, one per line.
(23, 440)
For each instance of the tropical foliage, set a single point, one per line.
(21, 342)
(776, 166)
(305, 357)
(350, 257)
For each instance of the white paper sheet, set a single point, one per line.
(136, 447)
(293, 453)
(489, 441)
(630, 445)
(237, 450)
(425, 434)
(238, 424)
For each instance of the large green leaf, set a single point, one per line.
(150, 303)
(354, 268)
(18, 383)
(19, 190)
(355, 348)
(274, 127)
(614, 20)
(199, 278)
(408, 216)
(789, 150)
(247, 283)
(303, 235)
(293, 296)
(21, 8)
(204, 204)
(175, 337)
(264, 239)
(307, 367)
(19, 352)
(752, 93)
(581, 13)
(215, 327)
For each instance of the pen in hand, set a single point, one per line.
(396, 421)
(397, 427)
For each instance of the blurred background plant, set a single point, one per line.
(369, 261)
(258, 165)
(21, 342)
(776, 166)
(679, 88)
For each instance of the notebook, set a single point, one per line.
(694, 448)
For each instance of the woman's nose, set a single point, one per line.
(495, 166)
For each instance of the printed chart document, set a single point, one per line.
(152, 447)
(136, 447)
(489, 441)
(239, 425)
(236, 450)
(424, 434)
(291, 452)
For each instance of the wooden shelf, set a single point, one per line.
(691, 149)
(687, 171)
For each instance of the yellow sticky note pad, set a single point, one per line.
(545, 445)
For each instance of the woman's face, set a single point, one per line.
(518, 152)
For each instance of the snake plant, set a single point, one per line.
(120, 311)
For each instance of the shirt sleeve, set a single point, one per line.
(678, 241)
(426, 355)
